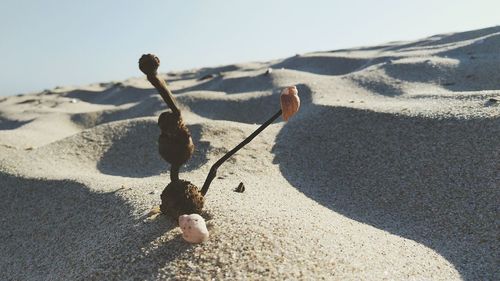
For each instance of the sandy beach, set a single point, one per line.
(389, 171)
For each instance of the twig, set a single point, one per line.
(213, 169)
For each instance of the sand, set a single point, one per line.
(390, 170)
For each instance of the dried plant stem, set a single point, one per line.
(213, 169)
(165, 93)
(148, 64)
(167, 96)
(174, 172)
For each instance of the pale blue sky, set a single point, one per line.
(58, 42)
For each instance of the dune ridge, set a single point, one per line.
(389, 171)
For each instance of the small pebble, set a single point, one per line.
(491, 102)
(240, 188)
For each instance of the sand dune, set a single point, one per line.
(389, 171)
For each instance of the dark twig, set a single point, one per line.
(213, 169)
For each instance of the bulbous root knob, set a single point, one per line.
(181, 197)
(175, 144)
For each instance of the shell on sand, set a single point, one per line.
(290, 102)
(193, 227)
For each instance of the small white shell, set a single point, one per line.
(194, 229)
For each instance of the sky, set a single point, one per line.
(52, 43)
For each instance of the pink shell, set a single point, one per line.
(290, 102)
(194, 229)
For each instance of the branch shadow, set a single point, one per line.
(433, 181)
(59, 229)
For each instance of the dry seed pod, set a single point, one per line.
(149, 64)
(181, 197)
(290, 102)
(175, 144)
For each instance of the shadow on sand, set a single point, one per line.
(6, 124)
(433, 181)
(144, 161)
(323, 65)
(114, 95)
(478, 65)
(53, 229)
(148, 107)
(252, 110)
(235, 85)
